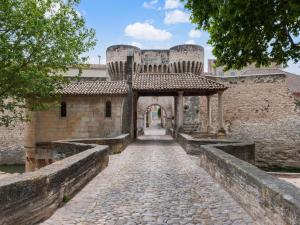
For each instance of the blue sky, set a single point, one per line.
(147, 24)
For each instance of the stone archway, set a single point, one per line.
(165, 103)
(155, 118)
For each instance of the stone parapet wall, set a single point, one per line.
(193, 146)
(49, 152)
(116, 144)
(267, 199)
(260, 109)
(32, 197)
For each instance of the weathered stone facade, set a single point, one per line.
(85, 119)
(261, 109)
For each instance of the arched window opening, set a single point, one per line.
(63, 109)
(108, 109)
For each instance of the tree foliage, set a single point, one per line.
(39, 39)
(250, 31)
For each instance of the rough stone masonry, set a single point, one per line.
(261, 109)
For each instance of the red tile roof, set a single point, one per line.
(96, 88)
(174, 82)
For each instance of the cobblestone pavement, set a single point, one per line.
(152, 182)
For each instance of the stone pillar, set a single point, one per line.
(180, 110)
(134, 116)
(175, 113)
(209, 128)
(147, 119)
(132, 108)
(220, 113)
(30, 143)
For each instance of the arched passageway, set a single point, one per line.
(154, 120)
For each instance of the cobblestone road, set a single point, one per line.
(151, 182)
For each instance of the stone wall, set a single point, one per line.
(260, 109)
(13, 155)
(116, 144)
(94, 71)
(193, 146)
(191, 111)
(11, 144)
(85, 119)
(30, 198)
(264, 197)
(49, 152)
(267, 199)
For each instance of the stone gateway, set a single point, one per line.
(260, 105)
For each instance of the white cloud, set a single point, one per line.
(137, 44)
(146, 31)
(195, 34)
(150, 4)
(172, 4)
(190, 42)
(176, 16)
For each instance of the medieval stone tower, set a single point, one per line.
(178, 59)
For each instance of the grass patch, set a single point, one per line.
(66, 199)
(281, 169)
(12, 168)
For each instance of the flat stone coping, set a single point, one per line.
(120, 137)
(54, 167)
(213, 140)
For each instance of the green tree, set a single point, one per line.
(250, 31)
(39, 39)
